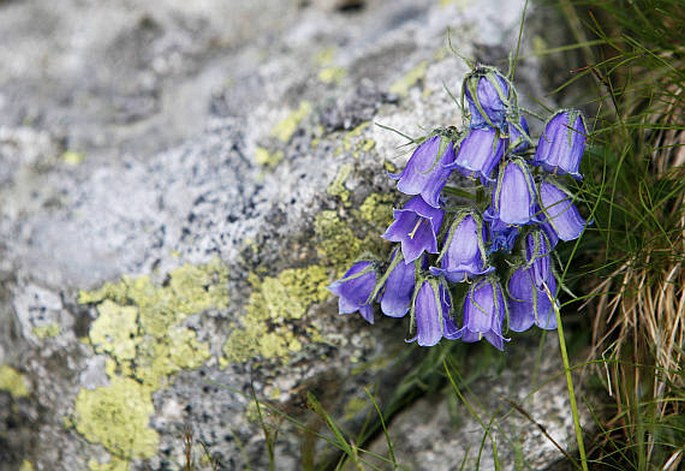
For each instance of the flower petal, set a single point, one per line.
(561, 213)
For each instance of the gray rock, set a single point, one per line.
(178, 185)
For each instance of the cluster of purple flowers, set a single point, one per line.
(509, 234)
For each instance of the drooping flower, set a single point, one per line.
(502, 236)
(530, 304)
(425, 173)
(484, 312)
(514, 198)
(354, 290)
(487, 94)
(519, 136)
(562, 143)
(479, 153)
(538, 250)
(560, 212)
(432, 314)
(399, 287)
(463, 254)
(416, 227)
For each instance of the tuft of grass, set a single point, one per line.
(636, 250)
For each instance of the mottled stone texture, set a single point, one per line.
(179, 181)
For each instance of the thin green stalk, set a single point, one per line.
(569, 383)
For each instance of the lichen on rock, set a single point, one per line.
(13, 382)
(276, 306)
(117, 416)
(140, 327)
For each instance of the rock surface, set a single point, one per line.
(179, 184)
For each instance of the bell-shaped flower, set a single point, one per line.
(502, 236)
(531, 304)
(559, 212)
(484, 313)
(425, 173)
(355, 289)
(519, 136)
(538, 250)
(479, 153)
(562, 144)
(487, 94)
(514, 198)
(415, 227)
(398, 288)
(463, 254)
(431, 314)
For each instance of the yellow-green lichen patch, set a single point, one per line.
(337, 186)
(336, 242)
(46, 331)
(140, 327)
(266, 158)
(376, 209)
(73, 158)
(13, 382)
(356, 142)
(275, 302)
(332, 75)
(26, 465)
(115, 331)
(114, 464)
(117, 417)
(324, 57)
(410, 79)
(285, 129)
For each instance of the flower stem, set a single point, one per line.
(571, 393)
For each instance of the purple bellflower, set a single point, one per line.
(562, 143)
(519, 136)
(502, 236)
(484, 313)
(479, 153)
(431, 314)
(514, 198)
(425, 173)
(416, 227)
(538, 250)
(530, 304)
(399, 287)
(487, 93)
(354, 290)
(463, 255)
(560, 213)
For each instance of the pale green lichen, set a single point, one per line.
(337, 186)
(376, 209)
(73, 158)
(356, 142)
(26, 465)
(275, 302)
(46, 331)
(410, 79)
(284, 130)
(114, 464)
(140, 327)
(332, 75)
(117, 417)
(325, 56)
(337, 243)
(266, 158)
(13, 382)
